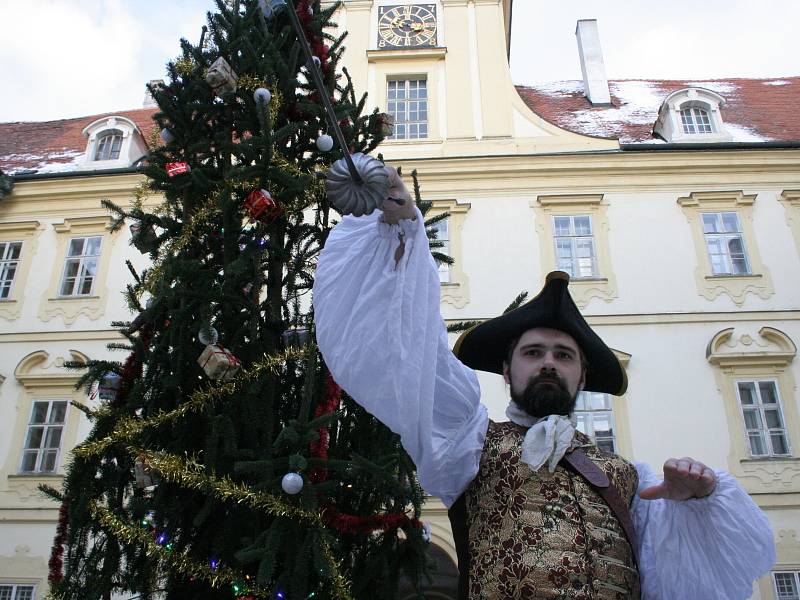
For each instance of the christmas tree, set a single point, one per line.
(224, 461)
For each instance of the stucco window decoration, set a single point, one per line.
(454, 280)
(407, 103)
(113, 142)
(791, 204)
(692, 115)
(728, 259)
(78, 284)
(573, 237)
(757, 387)
(109, 143)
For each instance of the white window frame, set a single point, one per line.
(111, 139)
(723, 236)
(573, 239)
(81, 274)
(47, 426)
(586, 413)
(763, 430)
(6, 264)
(696, 120)
(410, 104)
(795, 582)
(15, 590)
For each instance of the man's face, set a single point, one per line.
(545, 373)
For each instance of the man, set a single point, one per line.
(537, 510)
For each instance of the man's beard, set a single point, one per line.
(540, 399)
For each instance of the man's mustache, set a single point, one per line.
(548, 377)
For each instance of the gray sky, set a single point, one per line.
(69, 58)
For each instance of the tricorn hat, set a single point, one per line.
(484, 346)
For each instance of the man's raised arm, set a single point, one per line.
(376, 307)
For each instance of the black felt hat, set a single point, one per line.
(484, 346)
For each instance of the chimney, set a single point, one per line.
(595, 83)
(149, 102)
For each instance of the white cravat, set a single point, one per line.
(547, 440)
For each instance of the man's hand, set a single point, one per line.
(683, 479)
(392, 211)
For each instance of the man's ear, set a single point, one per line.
(506, 377)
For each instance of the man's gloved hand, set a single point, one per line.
(392, 211)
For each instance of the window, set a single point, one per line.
(109, 144)
(573, 237)
(692, 115)
(10, 591)
(726, 247)
(574, 244)
(43, 439)
(443, 237)
(787, 585)
(725, 244)
(9, 263)
(407, 102)
(763, 418)
(80, 269)
(754, 377)
(695, 120)
(595, 418)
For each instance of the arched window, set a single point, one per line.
(695, 120)
(109, 144)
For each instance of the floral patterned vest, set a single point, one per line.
(541, 535)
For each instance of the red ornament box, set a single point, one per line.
(176, 168)
(261, 207)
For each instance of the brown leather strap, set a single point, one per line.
(598, 479)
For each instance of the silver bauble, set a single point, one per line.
(325, 142)
(292, 483)
(357, 199)
(262, 95)
(208, 337)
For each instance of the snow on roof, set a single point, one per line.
(57, 146)
(756, 110)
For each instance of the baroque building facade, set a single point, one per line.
(674, 206)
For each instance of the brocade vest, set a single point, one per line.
(521, 534)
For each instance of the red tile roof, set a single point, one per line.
(755, 110)
(57, 146)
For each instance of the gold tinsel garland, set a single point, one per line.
(185, 66)
(129, 427)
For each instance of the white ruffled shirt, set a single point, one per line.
(382, 336)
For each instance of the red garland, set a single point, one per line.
(319, 448)
(355, 524)
(56, 562)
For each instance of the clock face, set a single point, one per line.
(407, 26)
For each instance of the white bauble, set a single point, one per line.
(292, 483)
(325, 142)
(262, 95)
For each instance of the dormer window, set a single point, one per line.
(692, 115)
(695, 120)
(113, 142)
(109, 144)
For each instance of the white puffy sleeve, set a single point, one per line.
(713, 547)
(382, 336)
